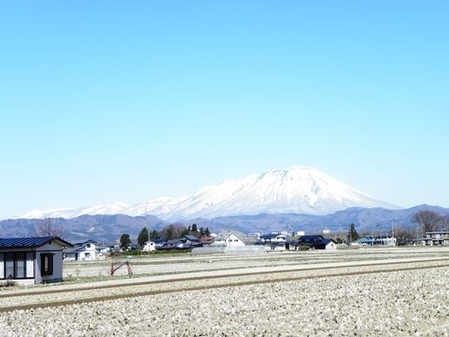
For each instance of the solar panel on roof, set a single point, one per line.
(25, 242)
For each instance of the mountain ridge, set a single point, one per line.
(299, 189)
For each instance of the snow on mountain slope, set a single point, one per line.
(296, 190)
(116, 208)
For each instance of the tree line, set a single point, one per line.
(426, 221)
(170, 232)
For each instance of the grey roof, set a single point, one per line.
(85, 242)
(242, 236)
(31, 242)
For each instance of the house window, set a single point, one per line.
(29, 265)
(9, 265)
(17, 265)
(46, 264)
(2, 266)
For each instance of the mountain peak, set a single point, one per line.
(298, 189)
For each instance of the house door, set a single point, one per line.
(46, 264)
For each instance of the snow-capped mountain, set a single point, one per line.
(295, 190)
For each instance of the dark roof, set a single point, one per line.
(31, 242)
(271, 236)
(85, 242)
(190, 237)
(316, 241)
(310, 238)
(173, 242)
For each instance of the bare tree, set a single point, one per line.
(46, 227)
(445, 223)
(428, 220)
(404, 235)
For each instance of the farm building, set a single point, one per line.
(31, 260)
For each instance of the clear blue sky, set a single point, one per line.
(106, 101)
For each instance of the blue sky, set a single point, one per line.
(106, 101)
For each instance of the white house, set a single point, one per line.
(230, 239)
(82, 251)
(273, 238)
(149, 246)
(32, 260)
(330, 244)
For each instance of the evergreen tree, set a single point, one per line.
(125, 241)
(169, 233)
(352, 235)
(154, 235)
(207, 232)
(143, 237)
(194, 228)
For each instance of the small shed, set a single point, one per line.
(31, 260)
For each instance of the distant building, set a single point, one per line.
(316, 242)
(82, 251)
(275, 241)
(149, 246)
(381, 240)
(385, 240)
(231, 239)
(191, 240)
(436, 238)
(273, 238)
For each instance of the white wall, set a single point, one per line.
(57, 263)
(88, 253)
(234, 241)
(149, 246)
